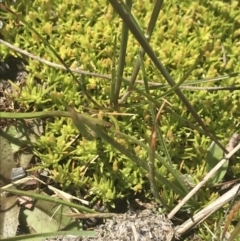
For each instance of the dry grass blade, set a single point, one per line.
(153, 140)
(109, 77)
(91, 215)
(205, 179)
(204, 213)
(234, 140)
(235, 208)
(235, 233)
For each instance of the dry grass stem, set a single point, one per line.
(206, 212)
(205, 179)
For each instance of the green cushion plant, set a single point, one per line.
(200, 39)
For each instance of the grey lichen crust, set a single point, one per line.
(132, 226)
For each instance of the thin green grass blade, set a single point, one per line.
(170, 167)
(184, 78)
(113, 82)
(152, 151)
(48, 198)
(152, 154)
(183, 120)
(42, 114)
(98, 130)
(160, 178)
(122, 56)
(135, 29)
(152, 85)
(213, 79)
(155, 99)
(76, 118)
(78, 121)
(195, 82)
(152, 143)
(14, 140)
(31, 115)
(145, 80)
(47, 236)
(151, 25)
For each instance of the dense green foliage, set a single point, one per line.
(83, 35)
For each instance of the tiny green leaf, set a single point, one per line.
(214, 155)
